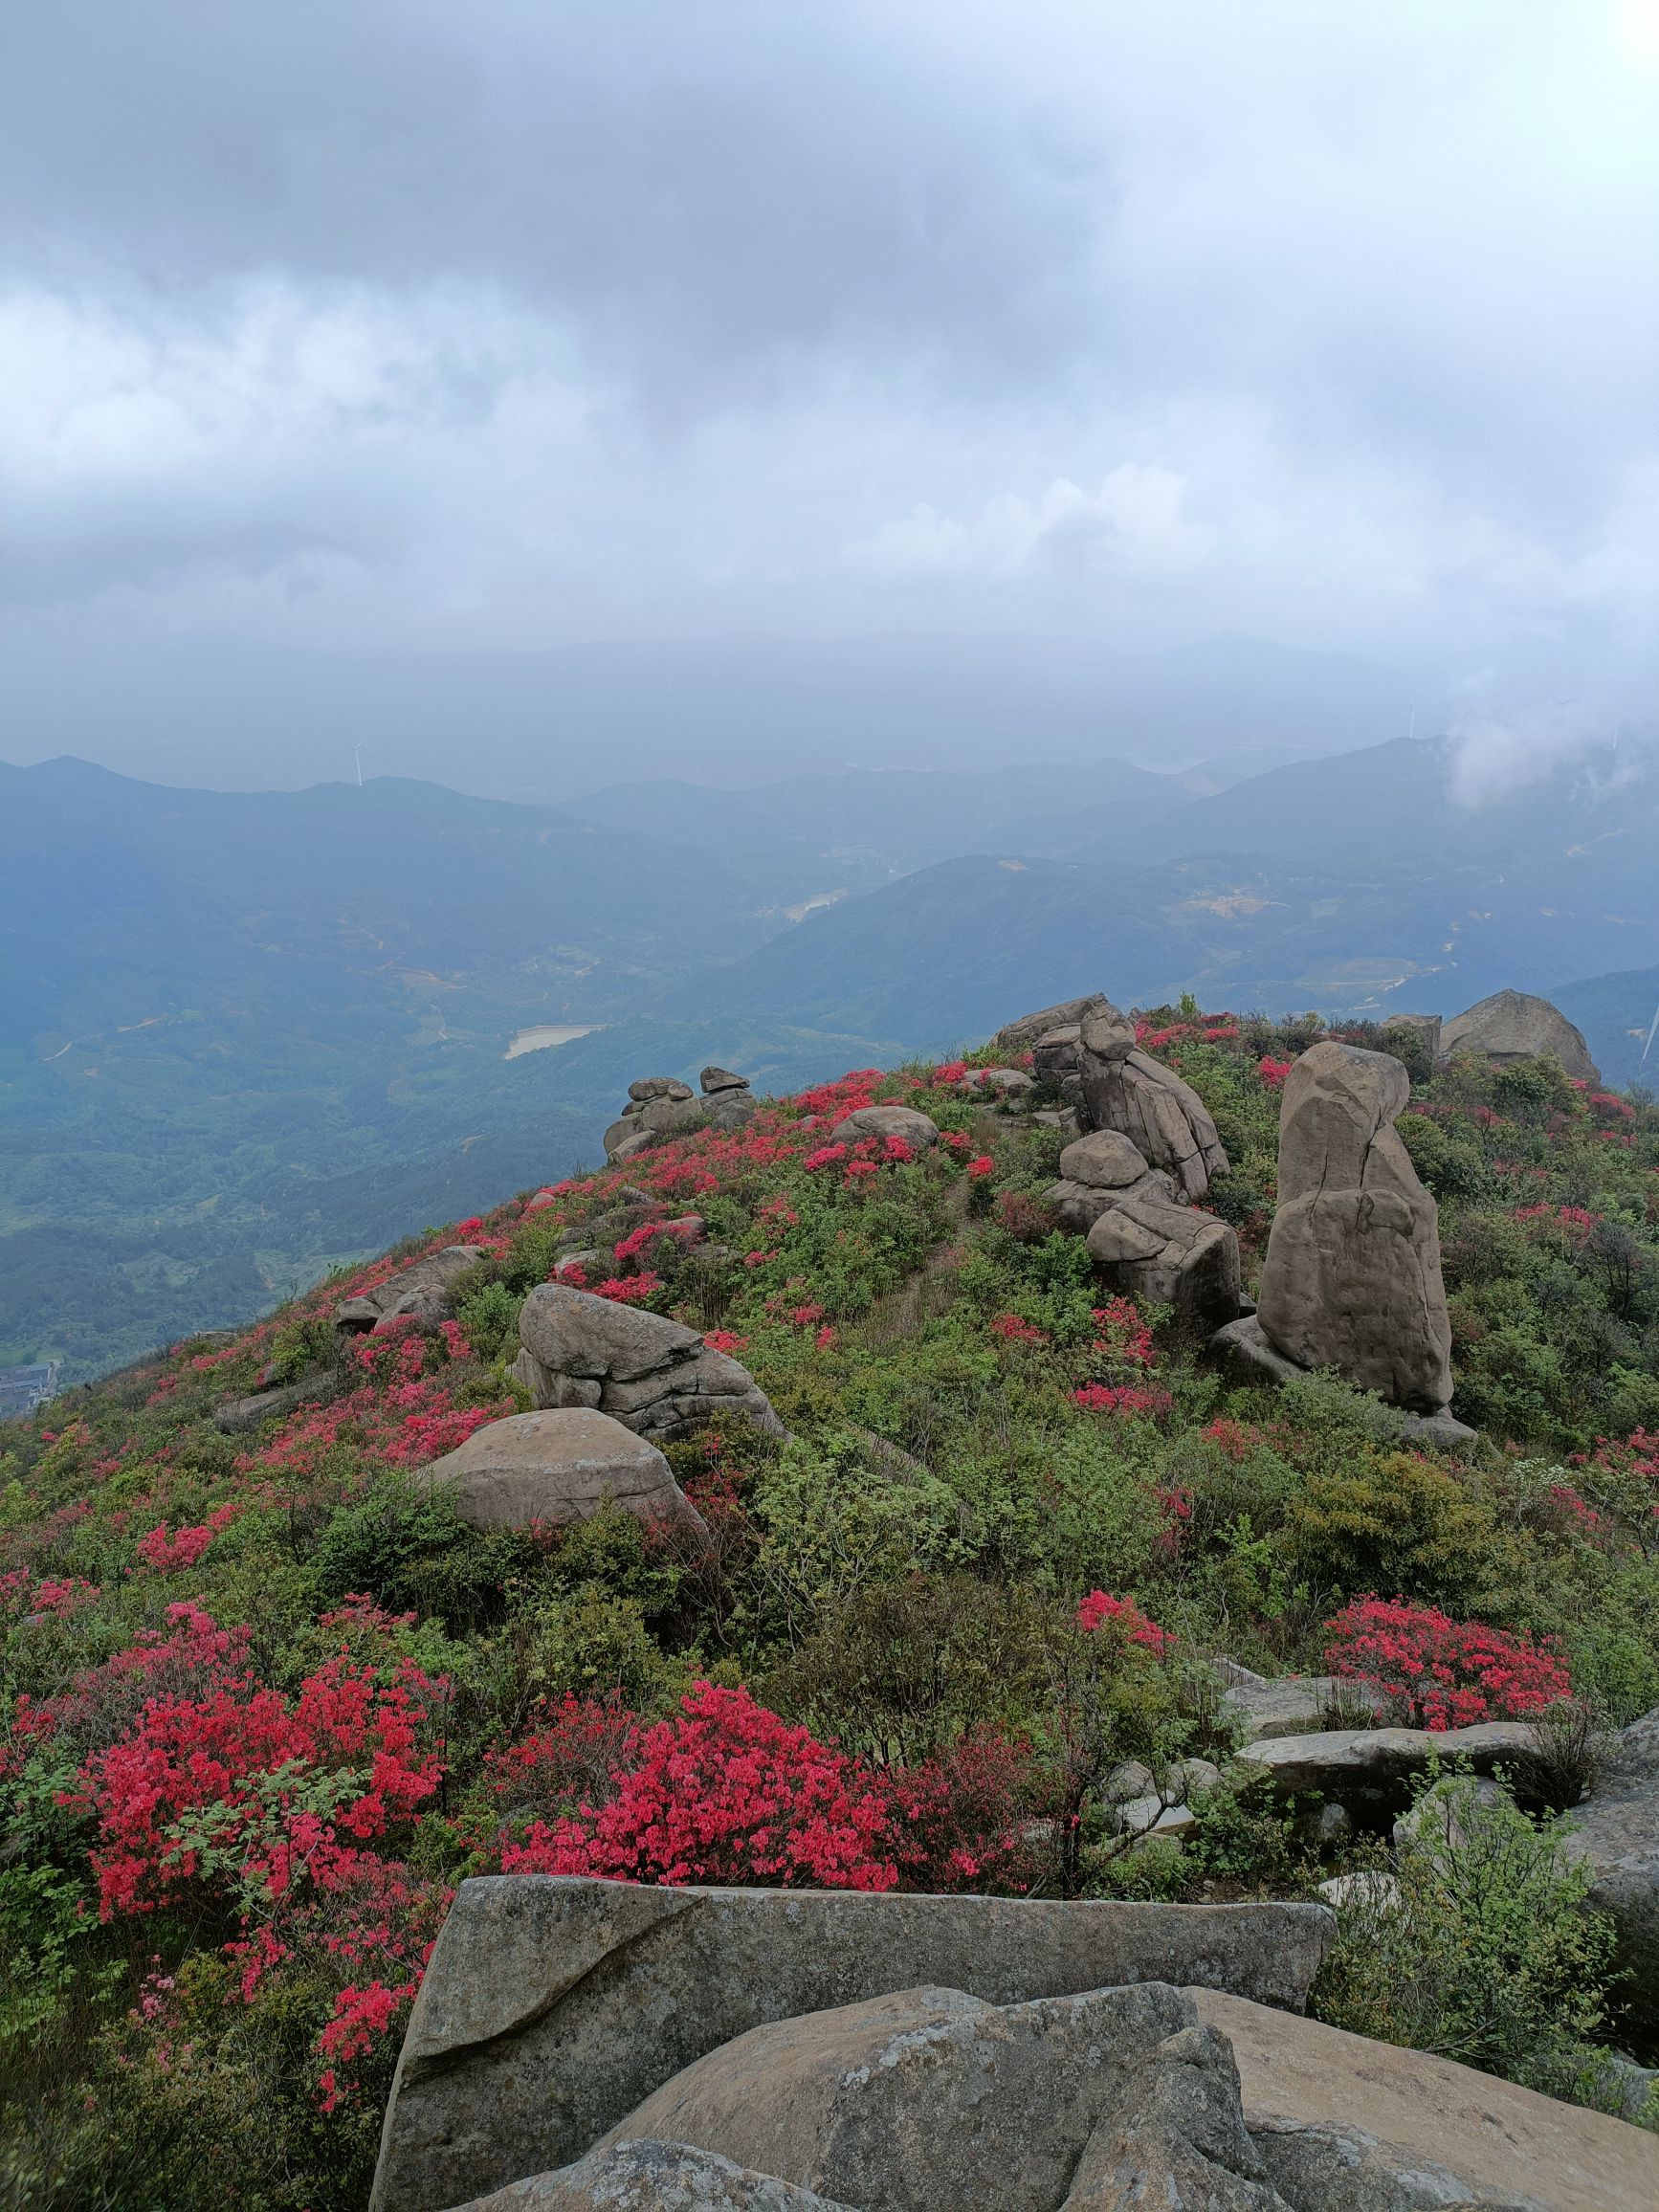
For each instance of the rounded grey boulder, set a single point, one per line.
(1513, 1025)
(885, 1121)
(1105, 1159)
(558, 1467)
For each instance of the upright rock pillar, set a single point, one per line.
(1352, 1276)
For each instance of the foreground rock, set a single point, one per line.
(552, 2008)
(1616, 1835)
(420, 1291)
(642, 2176)
(1352, 1276)
(557, 1468)
(934, 2099)
(1113, 2100)
(1344, 2124)
(655, 1376)
(1512, 1026)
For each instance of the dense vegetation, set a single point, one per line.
(267, 1700)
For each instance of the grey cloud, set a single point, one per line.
(390, 323)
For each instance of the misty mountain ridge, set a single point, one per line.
(246, 1034)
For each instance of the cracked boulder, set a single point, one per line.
(655, 1376)
(937, 2100)
(1352, 1276)
(1143, 1243)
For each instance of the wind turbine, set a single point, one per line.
(357, 755)
(1652, 1032)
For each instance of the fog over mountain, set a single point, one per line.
(549, 395)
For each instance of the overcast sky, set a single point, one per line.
(391, 324)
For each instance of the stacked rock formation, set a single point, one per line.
(655, 1376)
(1352, 1276)
(1145, 1242)
(661, 1107)
(1089, 1056)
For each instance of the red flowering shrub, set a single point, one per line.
(962, 1821)
(726, 1792)
(573, 1763)
(1122, 1336)
(1100, 1610)
(978, 1169)
(1013, 1331)
(1273, 1072)
(1440, 1672)
(164, 1553)
(1121, 1397)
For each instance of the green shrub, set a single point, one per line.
(1486, 1953)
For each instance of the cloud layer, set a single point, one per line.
(392, 323)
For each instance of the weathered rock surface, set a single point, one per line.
(1165, 1118)
(420, 1292)
(1357, 1762)
(1426, 1027)
(1346, 2125)
(917, 1129)
(1157, 1251)
(1352, 1276)
(648, 1089)
(1513, 1025)
(1104, 1159)
(1292, 1704)
(558, 1467)
(1021, 1036)
(642, 2176)
(239, 1415)
(1616, 1835)
(714, 1081)
(936, 2100)
(654, 1375)
(551, 2008)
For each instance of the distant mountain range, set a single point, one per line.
(245, 1034)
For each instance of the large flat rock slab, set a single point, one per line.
(552, 2007)
(1347, 2125)
(1343, 1761)
(1616, 1835)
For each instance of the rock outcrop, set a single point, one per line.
(661, 1107)
(1512, 1026)
(557, 1468)
(420, 1291)
(1144, 1244)
(552, 2008)
(1352, 1276)
(1087, 1052)
(655, 1376)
